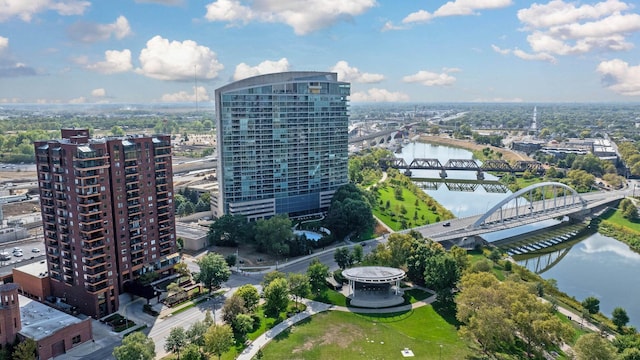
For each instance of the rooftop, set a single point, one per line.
(38, 269)
(373, 274)
(40, 321)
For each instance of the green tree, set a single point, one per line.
(619, 317)
(218, 339)
(592, 346)
(441, 274)
(276, 297)
(213, 270)
(274, 236)
(176, 340)
(233, 307)
(230, 230)
(26, 350)
(317, 273)
(357, 253)
(243, 324)
(299, 286)
(630, 354)
(250, 295)
(136, 346)
(195, 333)
(270, 276)
(117, 131)
(343, 257)
(350, 212)
(191, 352)
(591, 304)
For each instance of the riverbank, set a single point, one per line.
(507, 154)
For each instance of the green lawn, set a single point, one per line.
(340, 335)
(616, 217)
(393, 216)
(329, 296)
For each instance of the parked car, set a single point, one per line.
(35, 250)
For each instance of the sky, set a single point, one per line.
(174, 51)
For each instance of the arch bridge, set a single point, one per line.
(535, 203)
(540, 198)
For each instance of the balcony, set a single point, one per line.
(96, 288)
(96, 280)
(97, 270)
(89, 256)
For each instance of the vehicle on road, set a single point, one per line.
(446, 224)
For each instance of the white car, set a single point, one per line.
(35, 250)
(17, 253)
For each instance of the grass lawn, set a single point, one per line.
(616, 218)
(415, 295)
(340, 335)
(414, 215)
(333, 297)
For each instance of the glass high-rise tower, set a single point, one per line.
(282, 143)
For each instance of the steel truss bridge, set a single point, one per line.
(535, 203)
(462, 164)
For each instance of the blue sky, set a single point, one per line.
(141, 51)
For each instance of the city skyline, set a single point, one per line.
(146, 51)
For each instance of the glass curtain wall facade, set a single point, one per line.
(282, 143)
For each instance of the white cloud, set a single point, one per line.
(10, 100)
(4, 43)
(378, 95)
(115, 62)
(557, 12)
(389, 26)
(561, 28)
(244, 71)
(78, 100)
(429, 78)
(536, 56)
(26, 9)
(91, 32)
(353, 74)
(183, 96)
(177, 60)
(304, 16)
(101, 92)
(499, 50)
(456, 8)
(618, 76)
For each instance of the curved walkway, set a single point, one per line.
(315, 307)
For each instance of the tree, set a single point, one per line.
(357, 253)
(272, 275)
(619, 317)
(592, 346)
(213, 270)
(233, 307)
(317, 273)
(462, 258)
(350, 212)
(274, 235)
(218, 339)
(136, 346)
(243, 324)
(343, 257)
(441, 274)
(591, 304)
(230, 230)
(299, 286)
(26, 350)
(276, 297)
(176, 340)
(630, 354)
(250, 295)
(195, 333)
(191, 352)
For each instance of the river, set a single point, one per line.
(597, 266)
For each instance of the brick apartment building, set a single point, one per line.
(107, 213)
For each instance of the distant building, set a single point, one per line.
(282, 144)
(107, 214)
(527, 147)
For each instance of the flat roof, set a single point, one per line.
(40, 321)
(36, 269)
(373, 274)
(190, 231)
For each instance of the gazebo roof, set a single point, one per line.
(373, 274)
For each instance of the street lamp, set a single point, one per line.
(440, 351)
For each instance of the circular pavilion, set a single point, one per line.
(374, 286)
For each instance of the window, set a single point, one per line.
(75, 339)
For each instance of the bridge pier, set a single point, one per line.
(479, 175)
(443, 174)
